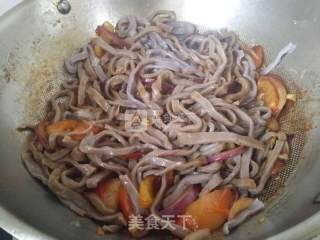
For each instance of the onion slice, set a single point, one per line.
(226, 154)
(180, 205)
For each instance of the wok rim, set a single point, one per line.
(307, 229)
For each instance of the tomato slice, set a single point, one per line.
(272, 92)
(209, 211)
(71, 125)
(108, 191)
(147, 191)
(125, 202)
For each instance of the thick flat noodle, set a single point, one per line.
(93, 181)
(214, 182)
(209, 108)
(58, 154)
(182, 29)
(95, 200)
(176, 229)
(78, 201)
(71, 63)
(214, 137)
(255, 207)
(83, 80)
(133, 193)
(183, 184)
(95, 63)
(271, 158)
(34, 168)
(281, 55)
(98, 98)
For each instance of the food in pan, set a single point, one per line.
(161, 126)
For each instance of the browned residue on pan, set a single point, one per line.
(6, 74)
(40, 72)
(293, 121)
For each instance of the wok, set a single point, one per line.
(35, 39)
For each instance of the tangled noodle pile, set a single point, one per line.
(205, 138)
